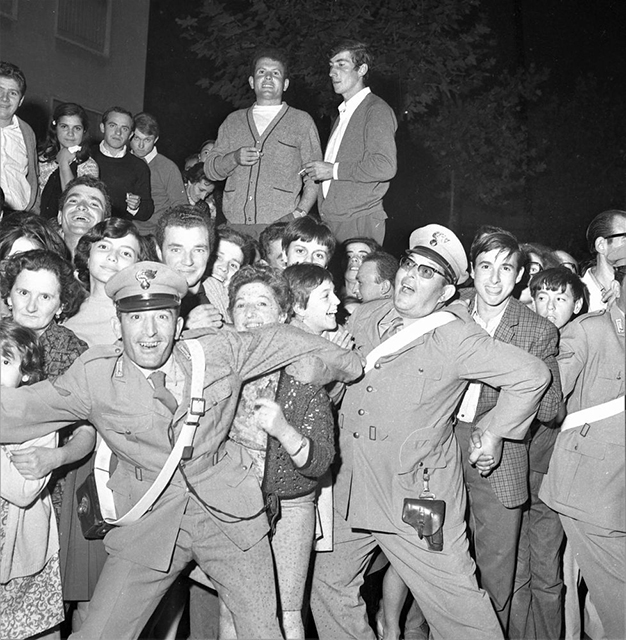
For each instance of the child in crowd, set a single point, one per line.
(31, 599)
(271, 245)
(307, 240)
(558, 295)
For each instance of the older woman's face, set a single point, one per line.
(254, 306)
(35, 299)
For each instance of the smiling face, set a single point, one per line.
(10, 99)
(142, 144)
(416, 296)
(228, 261)
(84, 207)
(495, 275)
(35, 299)
(347, 79)
(148, 336)
(187, 251)
(116, 130)
(70, 131)
(321, 310)
(268, 82)
(557, 306)
(197, 191)
(255, 305)
(299, 252)
(355, 252)
(110, 255)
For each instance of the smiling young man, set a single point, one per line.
(18, 146)
(127, 177)
(496, 500)
(136, 395)
(84, 203)
(397, 441)
(260, 152)
(360, 158)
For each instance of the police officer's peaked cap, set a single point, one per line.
(146, 285)
(440, 245)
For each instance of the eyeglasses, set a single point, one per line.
(615, 235)
(534, 267)
(423, 270)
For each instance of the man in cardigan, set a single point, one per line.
(18, 146)
(496, 500)
(260, 152)
(360, 157)
(127, 178)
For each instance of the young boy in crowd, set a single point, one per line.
(308, 240)
(271, 245)
(558, 295)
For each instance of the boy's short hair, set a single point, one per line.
(304, 278)
(271, 233)
(9, 70)
(557, 279)
(147, 124)
(502, 241)
(245, 242)
(108, 112)
(308, 229)
(186, 216)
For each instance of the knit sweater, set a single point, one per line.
(269, 189)
(127, 174)
(307, 408)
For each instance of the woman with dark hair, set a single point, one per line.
(64, 155)
(21, 231)
(202, 194)
(108, 247)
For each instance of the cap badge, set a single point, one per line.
(438, 236)
(144, 276)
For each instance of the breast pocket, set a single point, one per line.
(421, 380)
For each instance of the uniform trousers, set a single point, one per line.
(443, 584)
(494, 532)
(127, 593)
(601, 556)
(536, 609)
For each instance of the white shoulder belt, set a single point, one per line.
(594, 414)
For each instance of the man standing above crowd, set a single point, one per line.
(397, 445)
(18, 146)
(127, 178)
(360, 157)
(260, 152)
(166, 182)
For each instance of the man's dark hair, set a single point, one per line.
(502, 241)
(359, 52)
(108, 112)
(187, 217)
(309, 229)
(88, 181)
(265, 275)
(147, 124)
(277, 55)
(271, 233)
(9, 70)
(195, 174)
(602, 226)
(386, 265)
(304, 278)
(557, 279)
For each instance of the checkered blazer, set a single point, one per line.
(525, 329)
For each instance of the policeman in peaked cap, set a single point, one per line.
(146, 285)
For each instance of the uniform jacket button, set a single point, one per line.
(361, 412)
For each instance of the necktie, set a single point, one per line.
(161, 392)
(396, 325)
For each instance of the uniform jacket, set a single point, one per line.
(398, 420)
(586, 477)
(525, 329)
(106, 388)
(367, 162)
(269, 189)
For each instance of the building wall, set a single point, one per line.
(60, 71)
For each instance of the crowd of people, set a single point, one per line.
(268, 409)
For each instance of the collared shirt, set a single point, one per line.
(387, 322)
(118, 154)
(174, 377)
(346, 109)
(264, 114)
(151, 156)
(467, 410)
(14, 163)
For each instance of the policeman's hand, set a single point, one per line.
(340, 336)
(485, 451)
(36, 462)
(247, 156)
(308, 369)
(204, 316)
(319, 170)
(269, 417)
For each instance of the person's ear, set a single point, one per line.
(101, 127)
(385, 287)
(362, 70)
(520, 275)
(251, 82)
(179, 327)
(448, 291)
(117, 327)
(158, 251)
(578, 305)
(286, 84)
(600, 245)
(25, 378)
